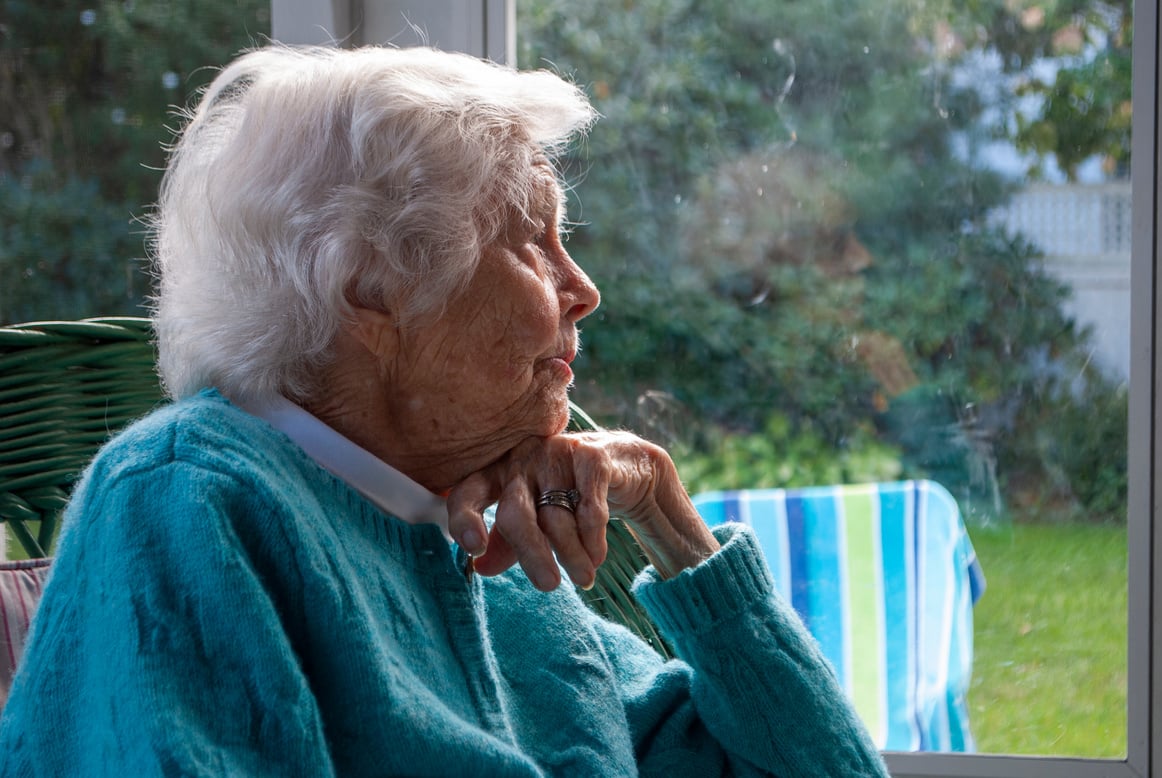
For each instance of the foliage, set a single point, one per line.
(1084, 107)
(63, 242)
(1086, 111)
(778, 211)
(1080, 447)
(86, 91)
(776, 203)
(944, 439)
(1065, 67)
(781, 456)
(1093, 431)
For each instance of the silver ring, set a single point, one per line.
(560, 498)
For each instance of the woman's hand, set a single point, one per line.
(613, 472)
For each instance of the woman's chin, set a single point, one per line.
(557, 419)
(548, 414)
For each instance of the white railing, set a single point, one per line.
(1084, 231)
(1071, 220)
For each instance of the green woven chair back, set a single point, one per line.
(65, 388)
(610, 596)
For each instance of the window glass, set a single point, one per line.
(873, 241)
(87, 91)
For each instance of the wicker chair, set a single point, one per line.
(67, 387)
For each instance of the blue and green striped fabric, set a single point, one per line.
(885, 577)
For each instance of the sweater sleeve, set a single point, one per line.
(137, 664)
(749, 678)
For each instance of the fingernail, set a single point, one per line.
(589, 583)
(471, 542)
(547, 582)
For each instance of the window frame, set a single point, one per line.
(487, 28)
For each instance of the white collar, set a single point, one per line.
(387, 488)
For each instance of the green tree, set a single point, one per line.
(87, 90)
(781, 220)
(1081, 106)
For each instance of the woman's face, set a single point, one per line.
(494, 369)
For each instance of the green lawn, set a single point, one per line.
(1049, 675)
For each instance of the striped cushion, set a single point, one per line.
(885, 577)
(20, 586)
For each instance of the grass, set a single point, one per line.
(1049, 673)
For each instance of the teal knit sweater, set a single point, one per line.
(221, 605)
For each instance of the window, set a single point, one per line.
(86, 91)
(805, 221)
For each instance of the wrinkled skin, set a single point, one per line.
(473, 404)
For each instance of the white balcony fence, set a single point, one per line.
(1084, 230)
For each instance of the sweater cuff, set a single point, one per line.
(727, 584)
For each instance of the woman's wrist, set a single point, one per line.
(671, 558)
(674, 537)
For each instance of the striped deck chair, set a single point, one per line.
(885, 578)
(20, 586)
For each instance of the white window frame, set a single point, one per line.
(487, 28)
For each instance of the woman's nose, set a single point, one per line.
(578, 293)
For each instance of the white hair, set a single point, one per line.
(310, 180)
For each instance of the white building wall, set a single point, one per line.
(1084, 230)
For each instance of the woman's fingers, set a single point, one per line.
(552, 464)
(498, 558)
(642, 486)
(466, 504)
(560, 527)
(541, 538)
(516, 522)
(591, 476)
(606, 469)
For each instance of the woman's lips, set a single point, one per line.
(562, 364)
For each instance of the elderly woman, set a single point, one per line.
(366, 317)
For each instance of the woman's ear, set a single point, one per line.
(376, 331)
